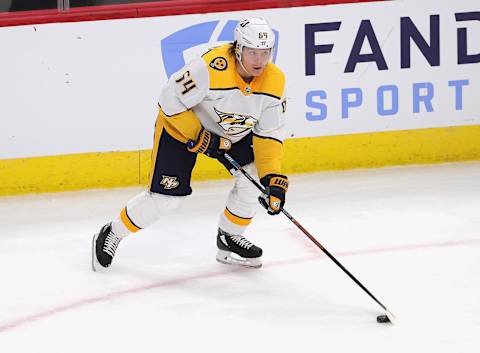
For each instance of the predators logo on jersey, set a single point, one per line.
(169, 182)
(235, 124)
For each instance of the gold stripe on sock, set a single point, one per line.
(132, 227)
(236, 219)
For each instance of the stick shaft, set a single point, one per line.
(238, 167)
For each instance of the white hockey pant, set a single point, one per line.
(148, 207)
(143, 210)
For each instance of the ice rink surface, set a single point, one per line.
(411, 235)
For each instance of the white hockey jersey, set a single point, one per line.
(209, 92)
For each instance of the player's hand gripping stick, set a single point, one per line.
(209, 144)
(276, 186)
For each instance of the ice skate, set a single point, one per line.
(104, 245)
(236, 250)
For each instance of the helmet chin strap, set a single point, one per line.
(238, 54)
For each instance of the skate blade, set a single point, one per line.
(230, 258)
(96, 266)
(94, 257)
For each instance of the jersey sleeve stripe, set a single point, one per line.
(232, 88)
(223, 89)
(267, 94)
(267, 137)
(169, 116)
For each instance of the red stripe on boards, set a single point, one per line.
(153, 9)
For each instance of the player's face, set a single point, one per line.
(255, 60)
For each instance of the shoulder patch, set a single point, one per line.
(219, 63)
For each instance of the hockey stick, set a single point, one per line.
(238, 167)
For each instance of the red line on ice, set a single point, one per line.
(114, 295)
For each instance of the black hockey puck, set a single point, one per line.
(383, 319)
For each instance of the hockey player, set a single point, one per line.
(230, 99)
